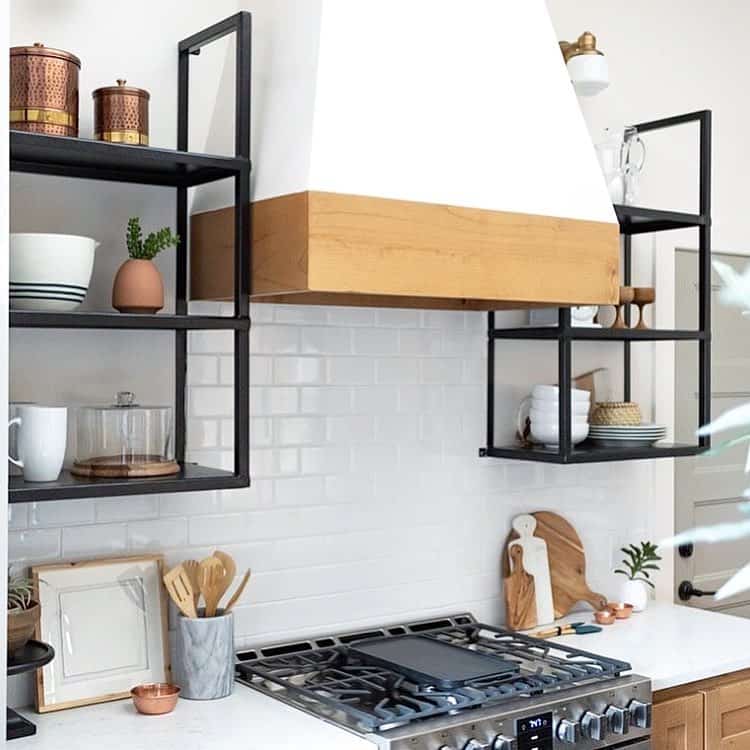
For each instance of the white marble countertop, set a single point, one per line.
(246, 719)
(672, 645)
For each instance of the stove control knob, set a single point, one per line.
(619, 719)
(569, 731)
(504, 743)
(594, 726)
(640, 714)
(474, 744)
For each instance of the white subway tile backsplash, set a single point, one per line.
(158, 534)
(127, 508)
(33, 546)
(300, 430)
(328, 340)
(92, 541)
(351, 371)
(270, 401)
(61, 513)
(368, 502)
(397, 370)
(298, 370)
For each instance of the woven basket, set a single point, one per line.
(616, 413)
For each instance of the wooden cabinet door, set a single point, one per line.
(678, 724)
(728, 717)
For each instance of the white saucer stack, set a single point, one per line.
(626, 436)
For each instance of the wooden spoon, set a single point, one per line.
(192, 568)
(230, 569)
(179, 588)
(238, 593)
(213, 585)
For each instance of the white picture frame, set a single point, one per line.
(107, 621)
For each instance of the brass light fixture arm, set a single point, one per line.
(584, 45)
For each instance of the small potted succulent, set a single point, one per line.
(23, 612)
(138, 286)
(638, 561)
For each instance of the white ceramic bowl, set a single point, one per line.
(549, 434)
(50, 271)
(579, 408)
(552, 393)
(547, 417)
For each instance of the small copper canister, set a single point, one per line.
(121, 114)
(44, 90)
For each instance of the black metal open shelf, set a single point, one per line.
(588, 453)
(98, 160)
(192, 478)
(633, 220)
(639, 220)
(180, 169)
(161, 322)
(581, 333)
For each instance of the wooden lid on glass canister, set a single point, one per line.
(121, 114)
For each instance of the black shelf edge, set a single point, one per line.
(17, 726)
(585, 453)
(191, 478)
(33, 655)
(640, 220)
(103, 320)
(116, 162)
(597, 334)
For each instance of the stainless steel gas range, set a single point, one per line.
(456, 684)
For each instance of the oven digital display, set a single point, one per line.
(535, 732)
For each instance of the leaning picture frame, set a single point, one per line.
(107, 621)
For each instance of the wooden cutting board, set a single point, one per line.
(520, 596)
(567, 562)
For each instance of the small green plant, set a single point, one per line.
(638, 561)
(148, 249)
(20, 590)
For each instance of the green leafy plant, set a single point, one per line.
(638, 561)
(148, 249)
(20, 591)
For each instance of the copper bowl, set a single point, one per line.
(605, 617)
(155, 698)
(621, 610)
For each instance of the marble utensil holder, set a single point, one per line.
(204, 656)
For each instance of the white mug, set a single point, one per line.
(42, 435)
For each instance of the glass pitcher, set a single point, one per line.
(621, 155)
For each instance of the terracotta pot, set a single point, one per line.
(138, 287)
(21, 626)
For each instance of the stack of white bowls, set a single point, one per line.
(544, 415)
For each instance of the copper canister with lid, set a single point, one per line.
(44, 90)
(121, 114)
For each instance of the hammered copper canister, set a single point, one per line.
(44, 90)
(121, 114)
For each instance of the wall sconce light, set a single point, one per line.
(587, 66)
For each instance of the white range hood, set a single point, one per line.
(414, 153)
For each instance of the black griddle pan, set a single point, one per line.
(427, 661)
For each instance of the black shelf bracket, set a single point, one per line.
(632, 220)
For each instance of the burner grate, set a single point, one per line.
(330, 680)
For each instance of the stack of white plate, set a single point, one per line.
(626, 436)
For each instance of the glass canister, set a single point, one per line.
(124, 439)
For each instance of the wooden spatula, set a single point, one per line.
(179, 588)
(192, 568)
(213, 585)
(230, 569)
(237, 594)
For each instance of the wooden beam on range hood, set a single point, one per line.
(331, 248)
